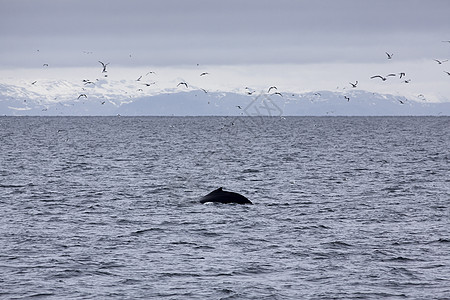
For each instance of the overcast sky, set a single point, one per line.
(350, 35)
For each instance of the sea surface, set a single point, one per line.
(108, 208)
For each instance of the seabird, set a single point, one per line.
(391, 75)
(104, 66)
(87, 81)
(204, 73)
(348, 98)
(45, 65)
(402, 74)
(440, 61)
(206, 92)
(238, 106)
(34, 82)
(139, 79)
(448, 73)
(272, 87)
(149, 84)
(378, 76)
(389, 56)
(82, 95)
(277, 93)
(183, 83)
(407, 81)
(249, 91)
(354, 84)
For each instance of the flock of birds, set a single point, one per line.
(400, 75)
(104, 71)
(272, 90)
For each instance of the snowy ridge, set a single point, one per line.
(131, 97)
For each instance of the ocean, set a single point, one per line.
(108, 208)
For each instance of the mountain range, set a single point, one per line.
(103, 98)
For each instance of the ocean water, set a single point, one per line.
(107, 208)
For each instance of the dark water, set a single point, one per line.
(107, 208)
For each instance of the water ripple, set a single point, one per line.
(108, 208)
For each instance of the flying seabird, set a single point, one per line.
(347, 98)
(402, 74)
(45, 65)
(272, 87)
(440, 61)
(204, 73)
(87, 81)
(249, 91)
(151, 72)
(277, 93)
(448, 73)
(104, 66)
(354, 84)
(378, 76)
(34, 82)
(389, 56)
(149, 84)
(82, 95)
(139, 79)
(183, 83)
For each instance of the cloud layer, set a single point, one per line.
(177, 32)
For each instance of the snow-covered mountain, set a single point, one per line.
(104, 97)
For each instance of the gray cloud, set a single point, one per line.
(219, 32)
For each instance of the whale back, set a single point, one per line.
(221, 196)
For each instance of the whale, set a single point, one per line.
(221, 196)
